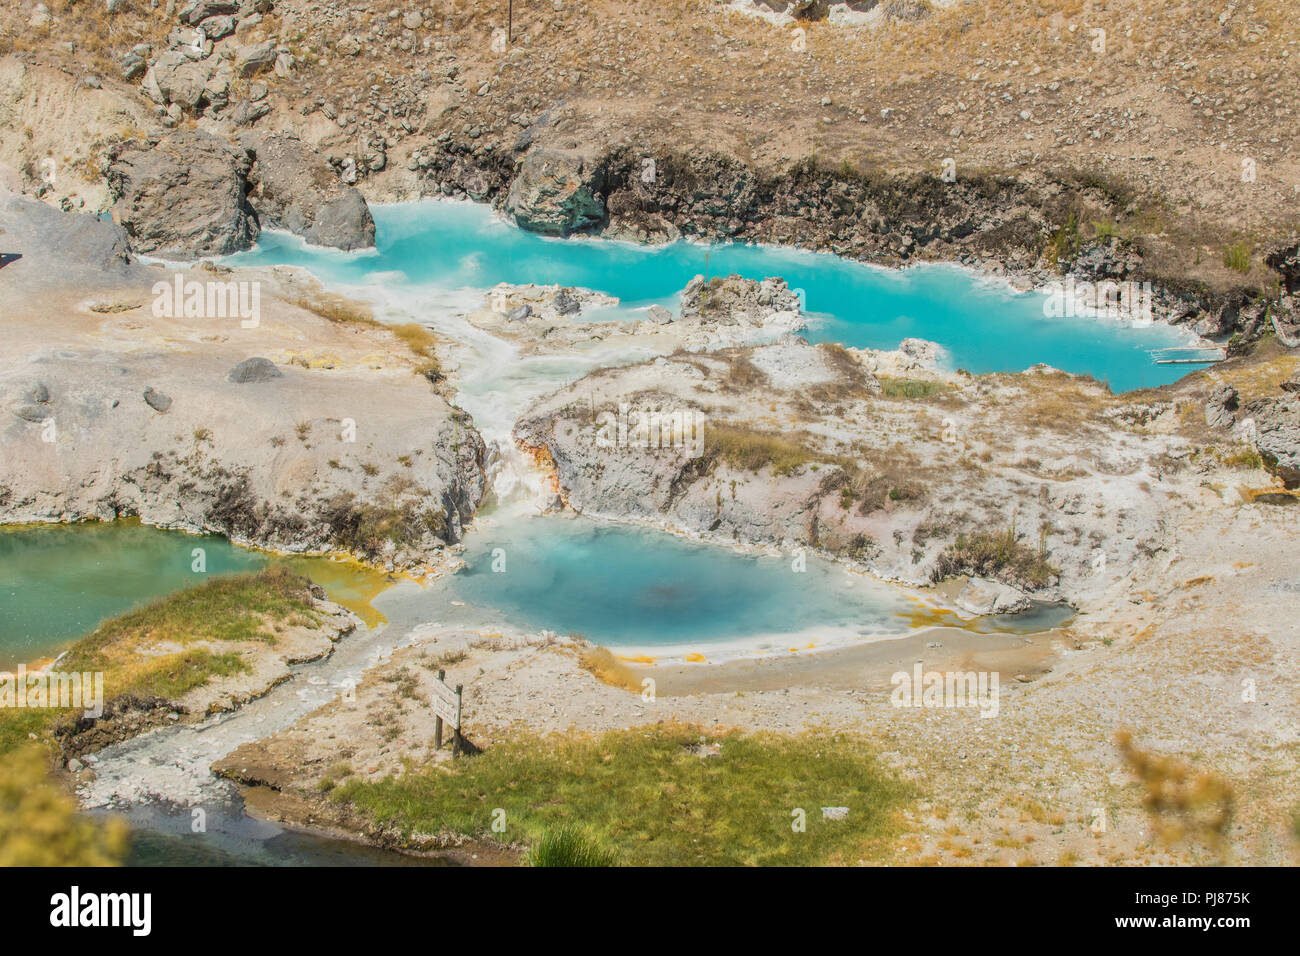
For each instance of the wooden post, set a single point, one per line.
(437, 725)
(510, 21)
(455, 734)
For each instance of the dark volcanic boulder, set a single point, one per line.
(1286, 261)
(185, 198)
(292, 186)
(556, 193)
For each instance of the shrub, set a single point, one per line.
(40, 825)
(1237, 257)
(996, 554)
(568, 846)
(1184, 801)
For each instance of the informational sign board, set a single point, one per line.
(446, 703)
(446, 707)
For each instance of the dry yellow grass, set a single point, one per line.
(1185, 802)
(335, 308)
(608, 669)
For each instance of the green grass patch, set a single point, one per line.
(1245, 457)
(649, 797)
(150, 652)
(750, 450)
(569, 846)
(1237, 257)
(894, 387)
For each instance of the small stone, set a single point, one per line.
(157, 400)
(566, 304)
(132, 65)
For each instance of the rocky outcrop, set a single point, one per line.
(293, 187)
(177, 78)
(798, 446)
(981, 597)
(254, 58)
(60, 248)
(1286, 261)
(816, 10)
(193, 75)
(1221, 407)
(184, 198)
(996, 222)
(557, 193)
(325, 439)
(724, 312)
(1284, 315)
(181, 442)
(732, 299)
(1276, 427)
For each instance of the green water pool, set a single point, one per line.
(58, 582)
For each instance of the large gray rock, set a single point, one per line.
(1277, 434)
(246, 112)
(1221, 408)
(60, 248)
(32, 413)
(557, 193)
(292, 186)
(132, 65)
(196, 13)
(908, 10)
(214, 28)
(981, 597)
(254, 370)
(175, 78)
(255, 58)
(185, 198)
